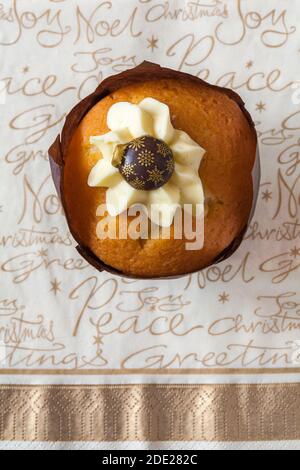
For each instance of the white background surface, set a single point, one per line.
(246, 50)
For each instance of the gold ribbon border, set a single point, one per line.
(229, 412)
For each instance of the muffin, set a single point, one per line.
(170, 143)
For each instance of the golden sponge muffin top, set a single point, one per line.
(218, 124)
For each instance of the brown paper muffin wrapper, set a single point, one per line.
(57, 152)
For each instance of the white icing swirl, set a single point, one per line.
(128, 121)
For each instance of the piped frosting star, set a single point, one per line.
(129, 124)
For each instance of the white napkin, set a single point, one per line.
(62, 322)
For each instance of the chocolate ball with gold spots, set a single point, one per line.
(145, 163)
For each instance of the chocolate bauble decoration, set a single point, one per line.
(145, 163)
